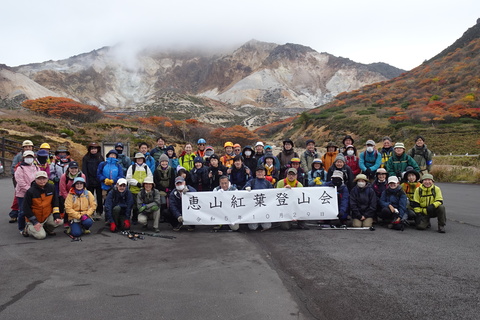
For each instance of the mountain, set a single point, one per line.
(256, 82)
(439, 99)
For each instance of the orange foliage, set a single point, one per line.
(63, 108)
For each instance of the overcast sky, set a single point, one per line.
(401, 33)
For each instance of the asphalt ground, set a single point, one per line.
(298, 274)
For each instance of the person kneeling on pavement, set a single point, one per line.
(343, 196)
(118, 206)
(259, 182)
(176, 202)
(148, 204)
(226, 185)
(363, 202)
(40, 206)
(428, 203)
(291, 182)
(80, 205)
(394, 204)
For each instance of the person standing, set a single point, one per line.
(136, 174)
(41, 210)
(123, 160)
(186, 158)
(90, 163)
(386, 151)
(399, 161)
(422, 155)
(24, 176)
(291, 182)
(285, 156)
(160, 149)
(329, 157)
(370, 160)
(308, 155)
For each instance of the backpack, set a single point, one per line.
(424, 153)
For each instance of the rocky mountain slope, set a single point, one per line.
(257, 78)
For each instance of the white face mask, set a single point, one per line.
(28, 160)
(361, 184)
(180, 187)
(350, 152)
(370, 149)
(248, 153)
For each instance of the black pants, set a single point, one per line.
(97, 192)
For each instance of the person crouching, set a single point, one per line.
(118, 206)
(148, 204)
(80, 205)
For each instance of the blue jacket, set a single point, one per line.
(312, 174)
(176, 201)
(397, 198)
(371, 160)
(109, 169)
(239, 177)
(343, 199)
(115, 198)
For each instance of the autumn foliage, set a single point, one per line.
(235, 134)
(63, 108)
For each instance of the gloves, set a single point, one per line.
(154, 208)
(143, 207)
(180, 219)
(84, 217)
(126, 224)
(113, 227)
(248, 189)
(185, 190)
(56, 179)
(139, 184)
(269, 178)
(108, 182)
(430, 209)
(368, 172)
(317, 181)
(133, 182)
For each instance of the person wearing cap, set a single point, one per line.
(80, 206)
(40, 206)
(259, 152)
(291, 182)
(394, 204)
(422, 155)
(148, 204)
(199, 175)
(149, 160)
(308, 155)
(248, 158)
(370, 160)
(329, 157)
(239, 174)
(45, 146)
(164, 179)
(176, 203)
(351, 159)
(59, 166)
(428, 203)
(186, 158)
(201, 144)
(123, 160)
(215, 171)
(24, 176)
(386, 151)
(347, 141)
(340, 165)
(409, 186)
(399, 161)
(343, 201)
(295, 163)
(285, 156)
(237, 149)
(118, 206)
(172, 157)
(66, 184)
(209, 151)
(43, 161)
(227, 158)
(90, 162)
(268, 150)
(317, 176)
(159, 149)
(363, 202)
(379, 185)
(109, 171)
(226, 185)
(136, 173)
(27, 145)
(258, 183)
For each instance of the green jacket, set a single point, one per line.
(395, 166)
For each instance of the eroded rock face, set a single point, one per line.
(258, 74)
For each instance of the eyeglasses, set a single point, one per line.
(237, 150)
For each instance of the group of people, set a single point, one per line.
(51, 189)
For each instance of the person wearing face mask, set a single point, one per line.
(209, 151)
(176, 203)
(363, 202)
(108, 172)
(248, 158)
(342, 194)
(24, 176)
(43, 161)
(118, 206)
(123, 159)
(394, 204)
(79, 208)
(428, 203)
(370, 160)
(352, 159)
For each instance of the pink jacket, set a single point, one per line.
(66, 184)
(24, 175)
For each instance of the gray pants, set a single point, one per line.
(424, 219)
(143, 217)
(49, 225)
(254, 226)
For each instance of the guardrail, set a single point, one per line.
(8, 149)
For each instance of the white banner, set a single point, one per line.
(258, 206)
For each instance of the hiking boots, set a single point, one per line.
(441, 229)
